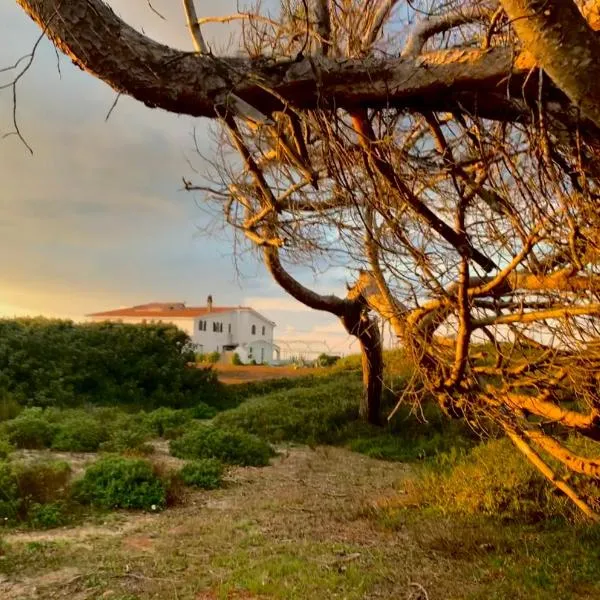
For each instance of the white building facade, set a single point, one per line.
(211, 328)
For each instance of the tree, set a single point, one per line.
(457, 182)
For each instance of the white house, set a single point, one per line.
(212, 328)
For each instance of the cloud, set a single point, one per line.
(95, 219)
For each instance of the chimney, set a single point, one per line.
(209, 303)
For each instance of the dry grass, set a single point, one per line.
(233, 374)
(323, 523)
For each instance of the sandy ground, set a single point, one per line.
(244, 373)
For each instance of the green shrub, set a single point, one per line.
(236, 360)
(10, 502)
(25, 486)
(352, 362)
(230, 446)
(117, 482)
(492, 479)
(206, 473)
(202, 411)
(128, 432)
(30, 430)
(9, 406)
(80, 434)
(58, 363)
(163, 419)
(327, 360)
(46, 516)
(6, 448)
(316, 414)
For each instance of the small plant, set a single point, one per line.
(230, 446)
(6, 448)
(79, 434)
(203, 411)
(236, 360)
(206, 473)
(213, 357)
(30, 430)
(117, 482)
(9, 406)
(25, 485)
(46, 516)
(164, 419)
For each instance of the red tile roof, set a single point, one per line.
(166, 309)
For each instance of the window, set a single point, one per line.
(263, 330)
(253, 329)
(201, 325)
(217, 327)
(229, 328)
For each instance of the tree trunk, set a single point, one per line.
(360, 324)
(352, 311)
(562, 42)
(372, 374)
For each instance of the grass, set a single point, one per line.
(305, 529)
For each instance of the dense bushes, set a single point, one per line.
(303, 414)
(58, 363)
(117, 482)
(206, 473)
(230, 446)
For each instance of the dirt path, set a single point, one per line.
(298, 530)
(232, 374)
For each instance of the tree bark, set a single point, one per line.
(372, 370)
(99, 42)
(562, 42)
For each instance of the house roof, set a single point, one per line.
(167, 309)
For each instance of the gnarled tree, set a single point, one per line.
(458, 182)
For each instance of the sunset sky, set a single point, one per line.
(95, 219)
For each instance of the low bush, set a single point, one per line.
(6, 448)
(79, 434)
(202, 411)
(46, 516)
(25, 486)
(317, 414)
(117, 482)
(492, 479)
(164, 419)
(9, 406)
(128, 432)
(236, 360)
(30, 430)
(206, 473)
(230, 446)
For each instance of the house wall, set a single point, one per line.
(237, 331)
(213, 341)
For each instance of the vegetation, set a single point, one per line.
(33, 491)
(58, 363)
(117, 482)
(231, 446)
(315, 414)
(206, 473)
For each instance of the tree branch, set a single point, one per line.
(193, 84)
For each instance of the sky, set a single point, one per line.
(96, 218)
